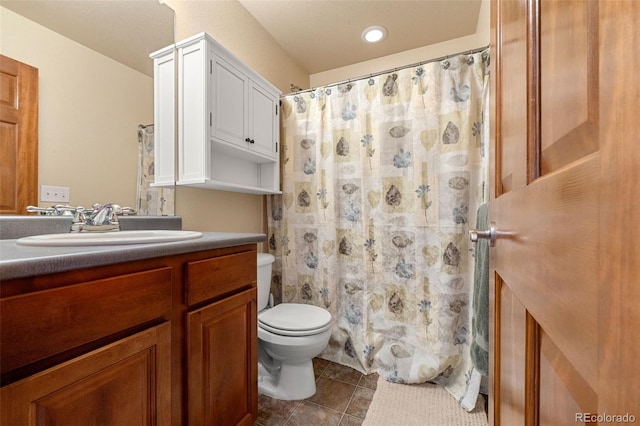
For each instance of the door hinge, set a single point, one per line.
(276, 109)
(210, 119)
(210, 66)
(276, 146)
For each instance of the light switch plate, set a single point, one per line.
(55, 194)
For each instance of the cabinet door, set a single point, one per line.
(222, 362)
(164, 89)
(193, 123)
(263, 124)
(229, 103)
(125, 383)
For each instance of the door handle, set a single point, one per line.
(490, 234)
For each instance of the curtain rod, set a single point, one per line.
(466, 52)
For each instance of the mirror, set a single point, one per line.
(90, 105)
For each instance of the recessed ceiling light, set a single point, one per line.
(374, 34)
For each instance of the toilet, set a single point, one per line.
(289, 336)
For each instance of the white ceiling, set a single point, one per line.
(325, 34)
(318, 34)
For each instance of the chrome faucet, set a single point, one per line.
(100, 218)
(104, 214)
(103, 218)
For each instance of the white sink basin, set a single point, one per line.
(108, 238)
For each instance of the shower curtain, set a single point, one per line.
(381, 178)
(154, 201)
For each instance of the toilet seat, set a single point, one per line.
(295, 319)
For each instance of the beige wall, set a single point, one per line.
(89, 110)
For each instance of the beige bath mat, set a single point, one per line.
(419, 405)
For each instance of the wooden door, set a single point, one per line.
(125, 383)
(565, 269)
(18, 136)
(222, 364)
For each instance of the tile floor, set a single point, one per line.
(342, 398)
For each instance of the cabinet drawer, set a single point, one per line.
(38, 325)
(210, 278)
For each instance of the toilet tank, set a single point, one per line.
(265, 263)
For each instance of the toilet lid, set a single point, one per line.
(295, 317)
(290, 333)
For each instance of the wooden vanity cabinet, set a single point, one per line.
(127, 382)
(222, 341)
(87, 348)
(164, 341)
(222, 362)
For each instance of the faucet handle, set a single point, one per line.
(79, 214)
(115, 208)
(55, 210)
(127, 211)
(114, 211)
(79, 220)
(64, 210)
(49, 211)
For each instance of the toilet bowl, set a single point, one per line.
(289, 336)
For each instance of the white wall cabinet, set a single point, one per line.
(227, 121)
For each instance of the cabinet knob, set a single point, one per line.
(247, 140)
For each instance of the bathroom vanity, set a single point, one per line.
(130, 334)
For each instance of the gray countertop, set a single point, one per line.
(18, 261)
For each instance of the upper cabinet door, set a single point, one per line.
(230, 106)
(263, 120)
(192, 109)
(244, 112)
(164, 92)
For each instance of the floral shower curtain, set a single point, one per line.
(154, 201)
(381, 178)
